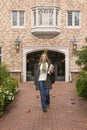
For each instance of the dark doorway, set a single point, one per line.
(58, 59)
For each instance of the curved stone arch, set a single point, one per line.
(60, 49)
(27, 50)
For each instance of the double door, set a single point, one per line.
(56, 58)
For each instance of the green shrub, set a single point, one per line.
(9, 84)
(8, 88)
(2, 100)
(3, 73)
(8, 92)
(78, 83)
(81, 84)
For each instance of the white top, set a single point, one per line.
(43, 75)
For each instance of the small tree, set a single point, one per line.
(81, 82)
(82, 58)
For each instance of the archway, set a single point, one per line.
(60, 50)
(58, 59)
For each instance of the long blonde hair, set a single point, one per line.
(47, 59)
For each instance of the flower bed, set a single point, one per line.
(7, 94)
(8, 88)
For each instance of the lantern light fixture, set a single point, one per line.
(74, 43)
(17, 43)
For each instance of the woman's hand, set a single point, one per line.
(51, 69)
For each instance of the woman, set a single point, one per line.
(42, 80)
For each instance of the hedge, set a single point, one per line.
(8, 88)
(81, 84)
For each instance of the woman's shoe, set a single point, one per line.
(44, 110)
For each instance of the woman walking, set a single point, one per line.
(43, 80)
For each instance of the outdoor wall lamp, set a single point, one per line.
(17, 43)
(74, 43)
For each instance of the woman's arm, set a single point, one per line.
(51, 69)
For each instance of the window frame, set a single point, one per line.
(73, 19)
(50, 16)
(18, 19)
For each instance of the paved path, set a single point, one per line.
(67, 111)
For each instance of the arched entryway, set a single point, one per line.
(58, 59)
(59, 56)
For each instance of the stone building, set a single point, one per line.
(29, 27)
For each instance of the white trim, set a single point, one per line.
(74, 71)
(59, 22)
(61, 49)
(45, 29)
(70, 75)
(18, 26)
(73, 18)
(19, 71)
(43, 16)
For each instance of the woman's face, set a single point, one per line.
(44, 58)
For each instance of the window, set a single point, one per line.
(73, 18)
(76, 18)
(40, 16)
(69, 18)
(45, 16)
(45, 21)
(17, 18)
(34, 13)
(50, 17)
(57, 17)
(0, 54)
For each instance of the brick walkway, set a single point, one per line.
(67, 111)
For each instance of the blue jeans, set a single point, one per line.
(44, 93)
